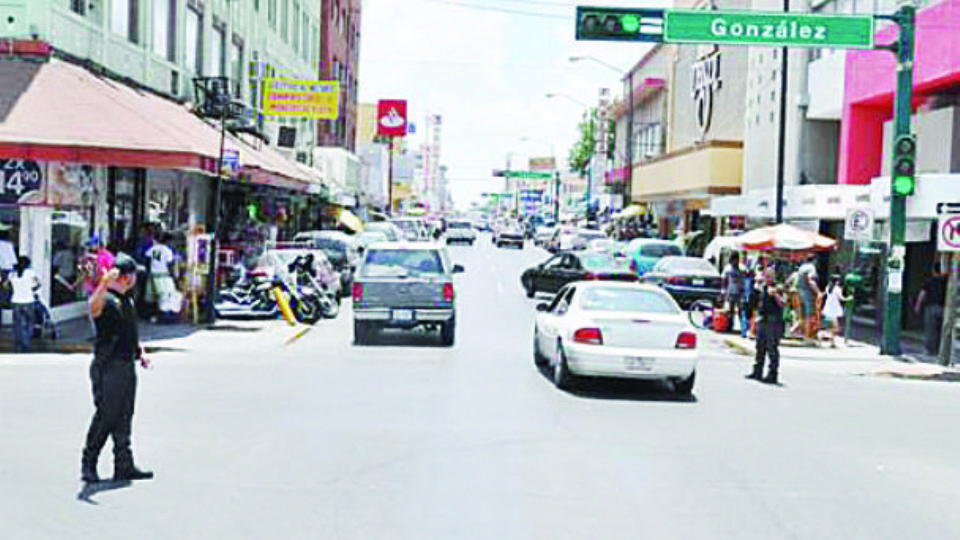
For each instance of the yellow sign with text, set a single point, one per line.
(301, 99)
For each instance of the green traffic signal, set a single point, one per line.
(619, 24)
(905, 166)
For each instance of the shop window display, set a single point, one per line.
(69, 239)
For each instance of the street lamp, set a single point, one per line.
(551, 95)
(628, 79)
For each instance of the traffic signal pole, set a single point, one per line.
(890, 344)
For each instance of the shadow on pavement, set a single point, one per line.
(89, 490)
(401, 338)
(622, 389)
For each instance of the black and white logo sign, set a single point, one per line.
(706, 83)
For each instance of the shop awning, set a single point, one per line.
(350, 220)
(58, 111)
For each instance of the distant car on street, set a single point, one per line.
(405, 285)
(563, 268)
(392, 232)
(413, 229)
(622, 330)
(687, 279)
(645, 252)
(461, 231)
(510, 234)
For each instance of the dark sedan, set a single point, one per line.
(562, 268)
(687, 279)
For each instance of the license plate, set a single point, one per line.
(403, 314)
(698, 282)
(638, 363)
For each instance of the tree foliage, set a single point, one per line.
(583, 150)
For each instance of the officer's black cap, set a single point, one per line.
(127, 265)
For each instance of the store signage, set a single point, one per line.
(527, 174)
(706, 82)
(859, 224)
(20, 180)
(542, 164)
(768, 28)
(391, 118)
(319, 100)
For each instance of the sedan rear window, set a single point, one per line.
(620, 299)
(402, 262)
(597, 261)
(660, 250)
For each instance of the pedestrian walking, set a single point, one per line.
(162, 289)
(929, 306)
(833, 308)
(113, 377)
(809, 297)
(24, 283)
(732, 285)
(769, 328)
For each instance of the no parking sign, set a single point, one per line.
(948, 232)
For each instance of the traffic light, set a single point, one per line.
(905, 165)
(619, 24)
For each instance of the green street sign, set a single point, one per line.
(768, 28)
(528, 174)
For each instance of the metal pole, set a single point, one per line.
(556, 197)
(214, 219)
(898, 204)
(628, 185)
(951, 261)
(390, 176)
(782, 142)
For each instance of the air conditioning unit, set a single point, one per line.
(287, 137)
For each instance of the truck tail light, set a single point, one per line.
(687, 340)
(357, 292)
(589, 336)
(448, 294)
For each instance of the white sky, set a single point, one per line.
(486, 66)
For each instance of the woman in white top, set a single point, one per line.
(833, 308)
(24, 282)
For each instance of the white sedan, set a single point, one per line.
(609, 329)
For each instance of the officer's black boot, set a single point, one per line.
(88, 471)
(130, 472)
(771, 377)
(757, 372)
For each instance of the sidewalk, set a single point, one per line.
(855, 358)
(76, 335)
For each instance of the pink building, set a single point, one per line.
(871, 81)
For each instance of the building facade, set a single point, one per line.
(340, 61)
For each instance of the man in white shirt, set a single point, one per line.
(162, 288)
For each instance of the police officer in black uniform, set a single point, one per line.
(770, 328)
(113, 371)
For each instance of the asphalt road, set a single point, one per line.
(403, 438)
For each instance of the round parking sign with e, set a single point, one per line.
(950, 233)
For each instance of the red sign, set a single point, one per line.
(392, 118)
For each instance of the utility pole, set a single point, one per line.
(890, 345)
(389, 176)
(628, 185)
(782, 140)
(947, 337)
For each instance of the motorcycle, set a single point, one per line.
(250, 296)
(314, 298)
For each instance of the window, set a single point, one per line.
(272, 14)
(308, 46)
(164, 23)
(285, 20)
(120, 17)
(79, 6)
(217, 46)
(237, 63)
(296, 27)
(618, 299)
(194, 31)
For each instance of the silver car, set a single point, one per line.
(405, 285)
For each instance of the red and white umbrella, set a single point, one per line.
(784, 238)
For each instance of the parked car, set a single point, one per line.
(413, 229)
(392, 232)
(510, 234)
(564, 238)
(405, 285)
(687, 279)
(340, 248)
(563, 268)
(588, 235)
(645, 252)
(461, 231)
(624, 330)
(601, 245)
(366, 238)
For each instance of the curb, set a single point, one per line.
(747, 348)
